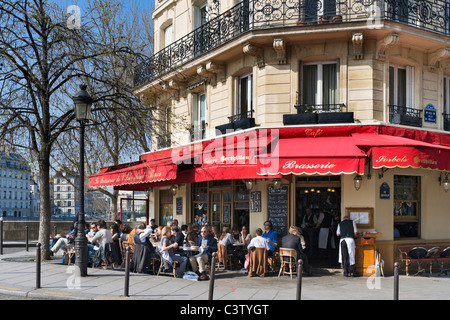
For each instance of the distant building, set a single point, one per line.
(65, 194)
(14, 185)
(35, 196)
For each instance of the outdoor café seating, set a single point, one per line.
(257, 262)
(288, 258)
(223, 257)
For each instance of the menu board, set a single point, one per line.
(179, 207)
(278, 209)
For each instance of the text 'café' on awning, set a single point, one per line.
(392, 180)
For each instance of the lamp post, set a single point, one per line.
(83, 102)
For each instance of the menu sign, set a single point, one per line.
(278, 209)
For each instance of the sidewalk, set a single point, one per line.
(18, 277)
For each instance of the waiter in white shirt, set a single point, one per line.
(347, 231)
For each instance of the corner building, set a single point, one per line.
(270, 108)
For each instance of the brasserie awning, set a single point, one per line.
(318, 155)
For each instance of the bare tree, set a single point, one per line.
(41, 55)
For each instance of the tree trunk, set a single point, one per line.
(45, 214)
(115, 207)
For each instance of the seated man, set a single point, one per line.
(271, 237)
(207, 245)
(293, 241)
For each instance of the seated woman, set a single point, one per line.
(167, 251)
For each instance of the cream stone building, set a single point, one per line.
(371, 75)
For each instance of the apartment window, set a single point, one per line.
(168, 35)
(244, 97)
(201, 35)
(401, 86)
(406, 206)
(164, 140)
(319, 8)
(320, 83)
(199, 116)
(200, 14)
(447, 95)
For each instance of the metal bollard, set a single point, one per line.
(299, 279)
(396, 280)
(26, 238)
(212, 276)
(38, 266)
(126, 291)
(1, 236)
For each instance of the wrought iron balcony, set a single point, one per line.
(318, 108)
(405, 116)
(433, 15)
(241, 116)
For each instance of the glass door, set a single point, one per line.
(221, 209)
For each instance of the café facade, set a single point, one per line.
(393, 180)
(266, 110)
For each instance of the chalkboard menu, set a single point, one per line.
(278, 209)
(179, 207)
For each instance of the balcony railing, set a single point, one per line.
(405, 116)
(433, 15)
(330, 107)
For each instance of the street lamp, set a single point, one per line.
(83, 102)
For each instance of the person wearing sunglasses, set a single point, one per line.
(271, 237)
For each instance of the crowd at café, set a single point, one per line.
(190, 246)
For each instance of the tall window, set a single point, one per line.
(401, 86)
(168, 36)
(320, 83)
(406, 206)
(447, 95)
(198, 116)
(244, 97)
(201, 35)
(164, 138)
(319, 8)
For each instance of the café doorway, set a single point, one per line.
(319, 198)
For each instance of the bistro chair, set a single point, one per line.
(161, 266)
(257, 262)
(288, 258)
(223, 258)
(123, 246)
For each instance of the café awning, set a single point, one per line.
(135, 173)
(319, 155)
(394, 151)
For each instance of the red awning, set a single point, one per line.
(393, 151)
(324, 155)
(145, 172)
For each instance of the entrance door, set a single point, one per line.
(322, 201)
(221, 209)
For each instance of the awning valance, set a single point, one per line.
(145, 172)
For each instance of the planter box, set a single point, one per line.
(303, 118)
(225, 128)
(335, 117)
(410, 120)
(244, 123)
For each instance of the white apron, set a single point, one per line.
(351, 247)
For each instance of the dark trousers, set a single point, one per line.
(346, 259)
